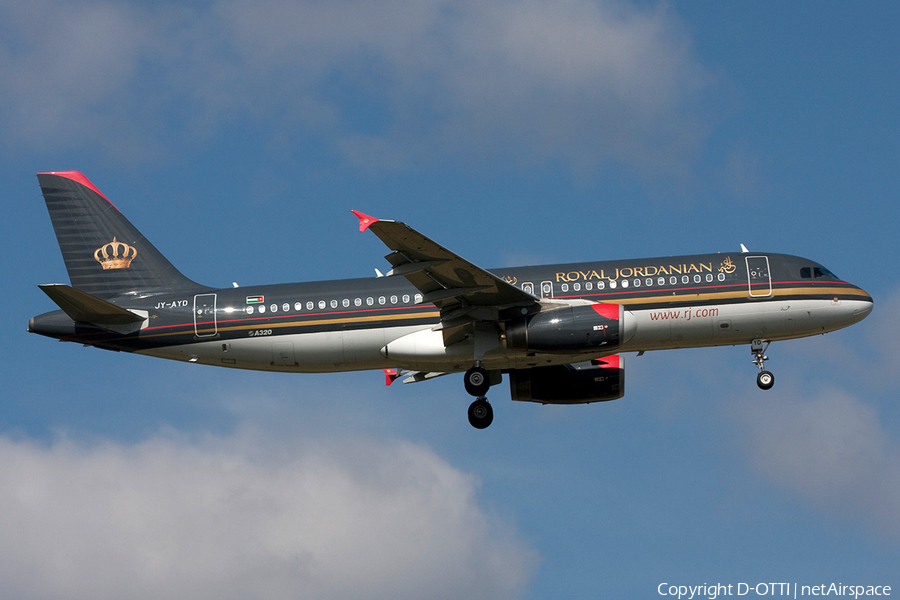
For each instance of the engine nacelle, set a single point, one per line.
(568, 329)
(578, 383)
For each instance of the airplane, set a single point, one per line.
(557, 332)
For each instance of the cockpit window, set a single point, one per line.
(815, 273)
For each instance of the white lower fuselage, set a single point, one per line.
(423, 348)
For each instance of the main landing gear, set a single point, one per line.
(477, 383)
(765, 380)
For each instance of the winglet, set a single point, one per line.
(613, 361)
(364, 220)
(390, 375)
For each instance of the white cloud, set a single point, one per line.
(833, 451)
(66, 68)
(884, 331)
(246, 517)
(385, 83)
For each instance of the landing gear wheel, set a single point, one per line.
(481, 415)
(765, 380)
(477, 381)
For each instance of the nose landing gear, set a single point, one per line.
(478, 382)
(765, 380)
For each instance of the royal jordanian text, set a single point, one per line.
(626, 272)
(791, 590)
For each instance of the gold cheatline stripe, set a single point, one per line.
(420, 315)
(802, 291)
(797, 291)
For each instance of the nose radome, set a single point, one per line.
(866, 306)
(861, 305)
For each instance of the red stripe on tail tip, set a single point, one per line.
(77, 178)
(364, 220)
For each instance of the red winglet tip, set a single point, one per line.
(364, 221)
(78, 178)
(610, 362)
(390, 375)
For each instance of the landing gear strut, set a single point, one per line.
(478, 382)
(765, 380)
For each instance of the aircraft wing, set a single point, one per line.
(463, 291)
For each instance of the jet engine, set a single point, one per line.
(596, 380)
(570, 329)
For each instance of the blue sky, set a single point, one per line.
(238, 136)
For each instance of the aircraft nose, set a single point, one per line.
(862, 304)
(868, 305)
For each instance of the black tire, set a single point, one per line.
(477, 381)
(765, 380)
(481, 415)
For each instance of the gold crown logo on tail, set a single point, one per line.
(115, 255)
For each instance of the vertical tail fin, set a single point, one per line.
(104, 253)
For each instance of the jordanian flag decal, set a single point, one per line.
(255, 299)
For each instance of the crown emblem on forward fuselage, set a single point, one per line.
(115, 255)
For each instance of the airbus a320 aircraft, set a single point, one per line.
(556, 331)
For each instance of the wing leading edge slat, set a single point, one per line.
(443, 277)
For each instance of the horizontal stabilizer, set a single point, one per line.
(81, 306)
